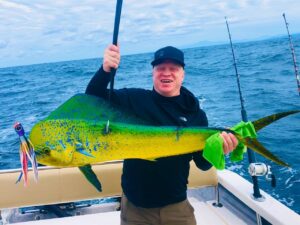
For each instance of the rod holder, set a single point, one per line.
(261, 169)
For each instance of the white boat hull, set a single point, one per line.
(58, 185)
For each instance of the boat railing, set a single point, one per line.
(61, 185)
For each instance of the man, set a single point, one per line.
(155, 192)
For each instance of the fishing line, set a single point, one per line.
(251, 156)
(293, 54)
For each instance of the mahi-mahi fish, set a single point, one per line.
(87, 129)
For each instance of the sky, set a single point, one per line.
(37, 31)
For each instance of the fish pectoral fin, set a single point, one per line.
(82, 150)
(91, 176)
(256, 146)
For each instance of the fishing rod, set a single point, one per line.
(115, 42)
(251, 156)
(293, 54)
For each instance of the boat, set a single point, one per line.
(63, 196)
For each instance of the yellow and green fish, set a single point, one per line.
(87, 129)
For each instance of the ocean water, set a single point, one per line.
(29, 93)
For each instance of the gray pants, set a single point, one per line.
(181, 213)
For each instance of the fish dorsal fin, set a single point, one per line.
(89, 107)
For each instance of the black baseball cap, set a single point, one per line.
(168, 53)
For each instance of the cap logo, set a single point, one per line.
(161, 54)
(182, 118)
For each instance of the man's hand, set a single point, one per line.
(111, 58)
(229, 142)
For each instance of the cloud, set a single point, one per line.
(78, 27)
(15, 6)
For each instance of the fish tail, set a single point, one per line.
(263, 122)
(256, 146)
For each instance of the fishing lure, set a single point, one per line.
(26, 154)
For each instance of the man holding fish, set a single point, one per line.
(155, 192)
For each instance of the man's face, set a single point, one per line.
(167, 78)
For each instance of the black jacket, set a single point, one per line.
(164, 181)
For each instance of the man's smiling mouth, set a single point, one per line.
(166, 81)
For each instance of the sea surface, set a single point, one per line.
(29, 93)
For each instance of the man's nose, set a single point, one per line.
(167, 71)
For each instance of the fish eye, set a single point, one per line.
(46, 150)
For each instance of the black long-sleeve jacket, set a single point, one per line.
(164, 181)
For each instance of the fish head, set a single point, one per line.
(53, 144)
(52, 155)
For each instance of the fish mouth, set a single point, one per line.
(41, 152)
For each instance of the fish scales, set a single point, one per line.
(55, 141)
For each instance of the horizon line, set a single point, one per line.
(183, 47)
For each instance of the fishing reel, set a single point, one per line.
(261, 169)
